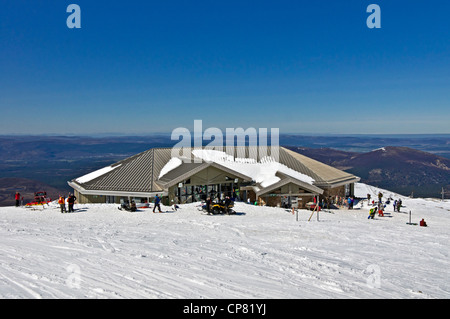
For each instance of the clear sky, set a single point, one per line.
(139, 67)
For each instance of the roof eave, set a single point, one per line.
(312, 188)
(84, 191)
(333, 184)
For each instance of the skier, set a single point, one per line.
(71, 200)
(62, 204)
(372, 213)
(395, 204)
(157, 201)
(17, 198)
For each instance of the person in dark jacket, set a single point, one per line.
(399, 205)
(157, 204)
(17, 198)
(208, 205)
(71, 201)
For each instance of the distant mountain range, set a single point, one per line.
(401, 169)
(50, 161)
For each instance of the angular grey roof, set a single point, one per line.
(140, 173)
(324, 175)
(136, 174)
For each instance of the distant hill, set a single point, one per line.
(400, 169)
(54, 160)
(26, 187)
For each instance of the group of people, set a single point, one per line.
(61, 201)
(397, 204)
(131, 207)
(70, 201)
(380, 206)
(339, 201)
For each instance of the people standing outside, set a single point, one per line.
(380, 196)
(157, 203)
(17, 198)
(71, 201)
(395, 204)
(208, 205)
(350, 203)
(62, 204)
(399, 205)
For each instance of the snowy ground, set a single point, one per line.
(102, 252)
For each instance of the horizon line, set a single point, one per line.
(118, 134)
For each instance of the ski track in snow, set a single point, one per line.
(262, 252)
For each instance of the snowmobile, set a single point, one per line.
(40, 198)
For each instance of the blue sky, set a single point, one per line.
(138, 67)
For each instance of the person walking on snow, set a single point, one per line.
(157, 203)
(62, 204)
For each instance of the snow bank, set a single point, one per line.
(261, 253)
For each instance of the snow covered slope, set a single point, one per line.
(262, 252)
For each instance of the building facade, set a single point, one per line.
(292, 180)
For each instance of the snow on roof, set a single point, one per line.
(173, 163)
(262, 172)
(93, 175)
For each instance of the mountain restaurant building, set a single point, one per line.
(248, 174)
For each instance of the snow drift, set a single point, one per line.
(262, 252)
